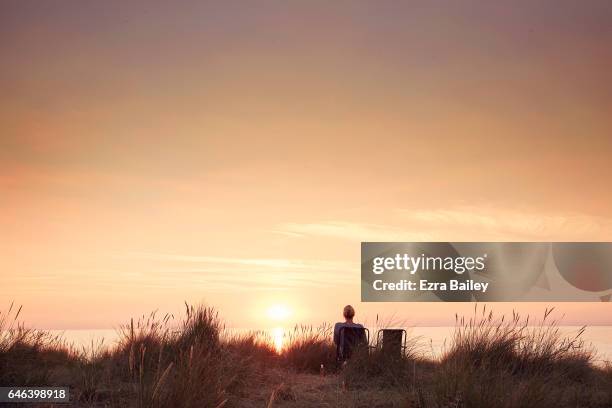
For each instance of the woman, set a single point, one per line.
(349, 314)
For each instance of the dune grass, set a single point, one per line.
(490, 361)
(308, 348)
(507, 362)
(28, 356)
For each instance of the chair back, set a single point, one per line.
(350, 339)
(392, 341)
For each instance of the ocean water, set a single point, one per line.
(431, 341)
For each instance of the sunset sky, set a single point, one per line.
(237, 153)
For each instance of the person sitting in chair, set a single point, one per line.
(347, 334)
(349, 314)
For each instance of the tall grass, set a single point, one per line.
(491, 361)
(506, 362)
(184, 366)
(155, 363)
(308, 348)
(27, 356)
(372, 366)
(487, 341)
(254, 347)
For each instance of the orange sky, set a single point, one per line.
(237, 152)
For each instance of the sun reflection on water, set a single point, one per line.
(278, 338)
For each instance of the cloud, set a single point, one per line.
(352, 230)
(146, 270)
(511, 224)
(464, 224)
(245, 273)
(274, 263)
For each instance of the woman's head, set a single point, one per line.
(348, 312)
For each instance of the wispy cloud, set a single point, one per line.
(509, 224)
(246, 273)
(148, 270)
(464, 223)
(274, 263)
(353, 231)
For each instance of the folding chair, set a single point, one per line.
(392, 342)
(350, 339)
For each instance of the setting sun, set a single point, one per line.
(279, 312)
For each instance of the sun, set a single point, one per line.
(278, 312)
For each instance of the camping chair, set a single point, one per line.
(350, 339)
(392, 342)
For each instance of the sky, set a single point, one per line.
(237, 153)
